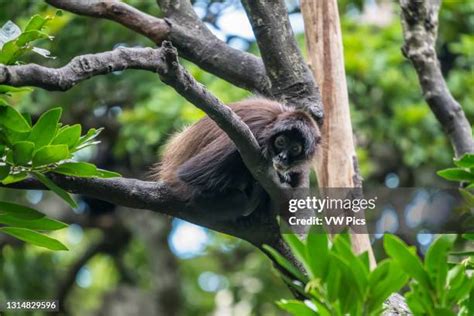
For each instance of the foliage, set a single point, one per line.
(463, 172)
(12, 50)
(394, 129)
(338, 282)
(32, 150)
(435, 288)
(341, 283)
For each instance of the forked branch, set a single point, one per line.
(187, 32)
(290, 77)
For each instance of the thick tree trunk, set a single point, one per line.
(337, 165)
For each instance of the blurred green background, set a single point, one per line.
(127, 262)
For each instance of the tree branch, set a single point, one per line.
(291, 79)
(258, 228)
(80, 68)
(420, 30)
(192, 38)
(196, 43)
(155, 196)
(155, 29)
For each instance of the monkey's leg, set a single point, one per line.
(254, 198)
(231, 204)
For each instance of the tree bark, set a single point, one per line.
(336, 166)
(420, 30)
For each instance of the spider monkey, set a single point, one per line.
(203, 164)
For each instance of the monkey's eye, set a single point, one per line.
(296, 149)
(280, 142)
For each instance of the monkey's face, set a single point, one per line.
(287, 151)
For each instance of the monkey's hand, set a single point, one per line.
(316, 113)
(292, 179)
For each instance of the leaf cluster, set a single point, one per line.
(338, 282)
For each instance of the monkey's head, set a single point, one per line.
(291, 141)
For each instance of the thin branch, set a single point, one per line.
(290, 77)
(80, 68)
(420, 30)
(189, 34)
(154, 28)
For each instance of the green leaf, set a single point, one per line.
(55, 188)
(4, 171)
(443, 312)
(4, 89)
(45, 128)
(342, 247)
(19, 211)
(83, 169)
(27, 117)
(364, 258)
(11, 137)
(436, 261)
(455, 276)
(90, 135)
(464, 253)
(77, 169)
(297, 247)
(468, 236)
(68, 136)
(339, 274)
(284, 263)
(296, 308)
(415, 304)
(334, 277)
(461, 292)
(50, 154)
(11, 52)
(34, 238)
(23, 152)
(36, 23)
(13, 120)
(385, 279)
(101, 173)
(27, 37)
(466, 161)
(408, 261)
(317, 252)
(322, 309)
(456, 174)
(35, 224)
(297, 286)
(17, 177)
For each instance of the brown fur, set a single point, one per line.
(202, 158)
(205, 133)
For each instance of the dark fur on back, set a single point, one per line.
(202, 158)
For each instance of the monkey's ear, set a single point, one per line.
(211, 170)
